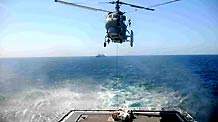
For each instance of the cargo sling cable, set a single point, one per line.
(116, 76)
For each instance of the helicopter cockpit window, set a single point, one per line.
(115, 16)
(110, 16)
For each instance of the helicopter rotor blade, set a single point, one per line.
(132, 5)
(160, 4)
(136, 6)
(81, 6)
(107, 2)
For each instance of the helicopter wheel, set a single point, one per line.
(108, 41)
(104, 44)
(131, 38)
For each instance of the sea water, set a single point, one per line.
(44, 89)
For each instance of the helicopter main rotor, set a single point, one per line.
(117, 3)
(81, 6)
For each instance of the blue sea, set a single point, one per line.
(43, 89)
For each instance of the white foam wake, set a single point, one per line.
(46, 105)
(37, 105)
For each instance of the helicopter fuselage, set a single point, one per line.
(116, 27)
(115, 22)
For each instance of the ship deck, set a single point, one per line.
(106, 116)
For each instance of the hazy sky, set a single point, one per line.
(35, 28)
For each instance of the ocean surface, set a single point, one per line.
(43, 89)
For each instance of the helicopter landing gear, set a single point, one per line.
(105, 41)
(108, 41)
(131, 38)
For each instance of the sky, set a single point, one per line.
(43, 28)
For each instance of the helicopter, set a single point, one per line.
(116, 27)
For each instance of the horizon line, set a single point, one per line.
(107, 56)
